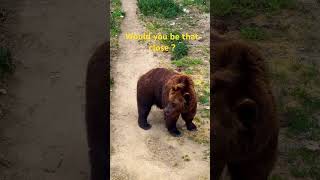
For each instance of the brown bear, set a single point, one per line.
(170, 91)
(244, 126)
(97, 111)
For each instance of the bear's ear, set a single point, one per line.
(187, 97)
(246, 110)
(178, 87)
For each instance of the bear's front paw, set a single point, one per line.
(145, 126)
(191, 126)
(175, 132)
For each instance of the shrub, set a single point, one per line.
(159, 8)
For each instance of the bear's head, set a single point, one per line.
(179, 95)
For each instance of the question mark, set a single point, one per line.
(173, 46)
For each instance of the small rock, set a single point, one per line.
(186, 10)
(172, 24)
(201, 39)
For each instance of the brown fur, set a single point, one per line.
(244, 127)
(170, 91)
(97, 111)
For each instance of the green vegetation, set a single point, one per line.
(203, 5)
(116, 17)
(298, 93)
(248, 7)
(159, 8)
(181, 47)
(304, 163)
(252, 33)
(6, 65)
(180, 50)
(186, 62)
(204, 97)
(221, 7)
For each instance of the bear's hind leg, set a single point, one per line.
(143, 111)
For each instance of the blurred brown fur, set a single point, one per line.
(244, 125)
(97, 111)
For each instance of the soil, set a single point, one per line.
(136, 153)
(43, 135)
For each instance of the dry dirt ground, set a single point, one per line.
(43, 135)
(136, 153)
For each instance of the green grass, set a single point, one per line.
(159, 8)
(186, 62)
(116, 17)
(221, 7)
(181, 48)
(203, 5)
(188, 71)
(247, 8)
(204, 94)
(304, 163)
(6, 65)
(252, 33)
(298, 93)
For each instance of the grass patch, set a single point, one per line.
(181, 47)
(248, 8)
(159, 8)
(204, 96)
(298, 96)
(180, 50)
(6, 65)
(304, 163)
(188, 71)
(116, 17)
(203, 5)
(186, 62)
(252, 33)
(221, 7)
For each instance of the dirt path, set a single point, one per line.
(136, 153)
(43, 137)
